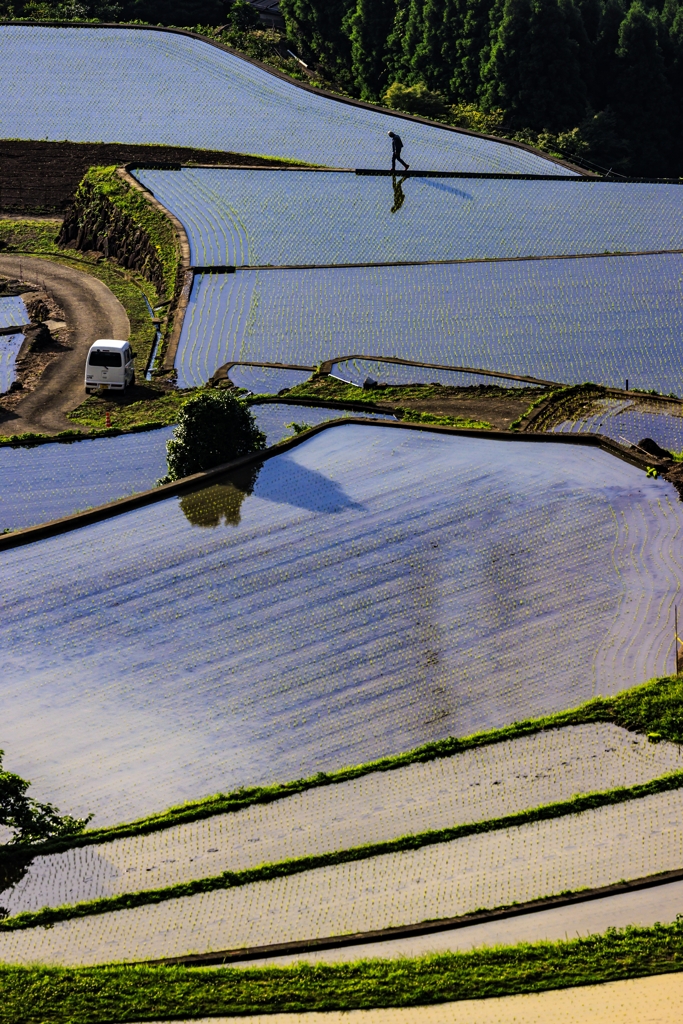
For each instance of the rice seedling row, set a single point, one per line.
(55, 480)
(13, 312)
(628, 419)
(356, 371)
(390, 612)
(484, 783)
(604, 320)
(112, 85)
(261, 217)
(532, 861)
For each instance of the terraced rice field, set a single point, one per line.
(276, 419)
(640, 908)
(484, 783)
(263, 217)
(356, 371)
(266, 380)
(55, 480)
(12, 311)
(445, 880)
(395, 602)
(625, 419)
(111, 85)
(570, 320)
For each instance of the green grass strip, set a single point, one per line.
(297, 865)
(104, 995)
(655, 708)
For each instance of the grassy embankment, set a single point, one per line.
(95, 995)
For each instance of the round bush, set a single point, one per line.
(214, 427)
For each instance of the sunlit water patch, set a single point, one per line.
(113, 85)
(277, 420)
(266, 380)
(365, 592)
(571, 320)
(55, 480)
(260, 217)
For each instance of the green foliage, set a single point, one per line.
(30, 820)
(652, 707)
(214, 427)
(416, 99)
(91, 995)
(149, 404)
(413, 416)
(535, 68)
(68, 10)
(367, 27)
(242, 16)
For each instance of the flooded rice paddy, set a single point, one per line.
(515, 865)
(266, 380)
(112, 85)
(570, 320)
(263, 217)
(277, 420)
(484, 783)
(53, 480)
(366, 592)
(629, 419)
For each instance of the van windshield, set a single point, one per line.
(98, 357)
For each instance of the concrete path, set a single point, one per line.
(657, 1000)
(92, 312)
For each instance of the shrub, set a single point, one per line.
(416, 99)
(214, 427)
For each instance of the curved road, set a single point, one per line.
(91, 312)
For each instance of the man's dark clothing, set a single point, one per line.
(396, 147)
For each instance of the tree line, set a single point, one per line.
(598, 79)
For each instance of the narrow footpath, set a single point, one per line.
(92, 311)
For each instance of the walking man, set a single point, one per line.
(396, 147)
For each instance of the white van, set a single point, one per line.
(109, 365)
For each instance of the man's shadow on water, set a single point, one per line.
(282, 481)
(399, 194)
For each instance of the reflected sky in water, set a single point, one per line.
(363, 593)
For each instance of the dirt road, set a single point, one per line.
(92, 312)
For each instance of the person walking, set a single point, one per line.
(396, 147)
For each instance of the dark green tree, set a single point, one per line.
(641, 95)
(534, 71)
(30, 820)
(180, 13)
(368, 26)
(315, 27)
(471, 45)
(213, 428)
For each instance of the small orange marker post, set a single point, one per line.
(678, 644)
